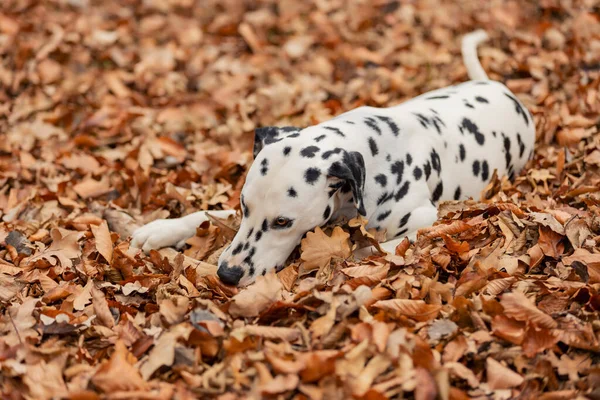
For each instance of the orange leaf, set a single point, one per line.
(103, 240)
(519, 307)
(415, 309)
(318, 249)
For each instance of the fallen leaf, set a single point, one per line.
(415, 309)
(501, 377)
(119, 373)
(257, 297)
(318, 249)
(518, 306)
(103, 240)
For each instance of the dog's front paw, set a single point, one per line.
(161, 233)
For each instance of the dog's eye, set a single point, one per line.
(282, 223)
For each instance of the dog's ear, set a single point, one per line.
(350, 170)
(271, 134)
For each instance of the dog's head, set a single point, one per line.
(293, 186)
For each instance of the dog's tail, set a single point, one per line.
(469, 53)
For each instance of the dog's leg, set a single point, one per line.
(172, 232)
(420, 217)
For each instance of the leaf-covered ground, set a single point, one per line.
(114, 113)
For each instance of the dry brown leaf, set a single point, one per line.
(103, 240)
(119, 373)
(415, 309)
(501, 377)
(163, 352)
(257, 297)
(318, 249)
(445, 229)
(590, 260)
(518, 306)
(267, 332)
(64, 247)
(321, 326)
(101, 310)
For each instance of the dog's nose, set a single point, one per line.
(230, 275)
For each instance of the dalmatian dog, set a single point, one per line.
(391, 165)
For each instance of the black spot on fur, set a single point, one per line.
(398, 169)
(265, 225)
(249, 233)
(293, 135)
(264, 272)
(251, 270)
(384, 198)
(391, 124)
(264, 166)
(309, 151)
(494, 134)
(436, 163)
(350, 122)
(422, 119)
(403, 191)
(519, 108)
(481, 99)
(462, 152)
(311, 175)
(408, 159)
(319, 138)
(476, 167)
(381, 179)
(507, 154)
(373, 147)
(328, 153)
(371, 123)
(457, 193)
(245, 209)
(437, 97)
(521, 145)
(335, 130)
(286, 150)
(238, 249)
(292, 192)
(388, 158)
(427, 169)
(246, 245)
(327, 213)
(467, 104)
(287, 129)
(474, 130)
(417, 173)
(485, 171)
(384, 215)
(402, 232)
(437, 193)
(258, 235)
(404, 220)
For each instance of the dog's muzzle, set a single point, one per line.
(230, 275)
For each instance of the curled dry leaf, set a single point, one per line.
(501, 377)
(519, 307)
(119, 373)
(103, 240)
(257, 297)
(163, 352)
(415, 309)
(63, 249)
(452, 228)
